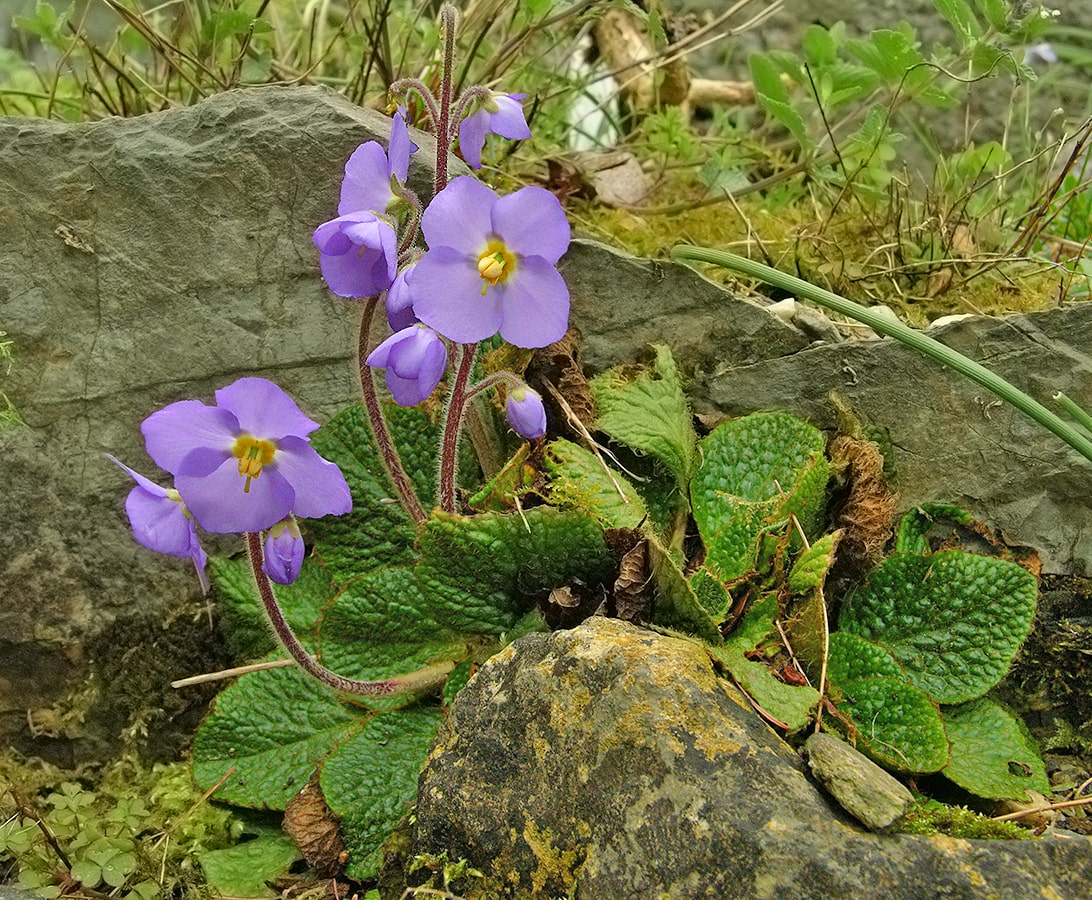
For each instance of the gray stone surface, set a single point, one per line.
(864, 790)
(953, 440)
(609, 761)
(144, 261)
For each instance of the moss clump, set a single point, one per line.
(932, 817)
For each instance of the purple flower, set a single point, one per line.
(161, 522)
(359, 254)
(526, 414)
(400, 302)
(245, 464)
(415, 359)
(491, 265)
(360, 248)
(283, 551)
(501, 114)
(371, 169)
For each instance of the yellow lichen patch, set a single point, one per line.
(553, 865)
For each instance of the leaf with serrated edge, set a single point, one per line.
(675, 605)
(482, 573)
(578, 480)
(243, 870)
(794, 705)
(377, 532)
(273, 727)
(755, 471)
(897, 725)
(805, 613)
(853, 658)
(246, 624)
(649, 414)
(993, 754)
(370, 780)
(914, 526)
(953, 620)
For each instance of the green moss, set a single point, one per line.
(931, 817)
(893, 255)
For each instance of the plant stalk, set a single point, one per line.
(422, 679)
(903, 333)
(388, 453)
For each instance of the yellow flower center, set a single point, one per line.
(495, 264)
(252, 453)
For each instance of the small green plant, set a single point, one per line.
(139, 834)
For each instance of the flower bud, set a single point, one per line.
(283, 552)
(526, 414)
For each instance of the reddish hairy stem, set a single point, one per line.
(452, 425)
(424, 678)
(449, 18)
(388, 453)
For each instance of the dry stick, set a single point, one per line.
(230, 673)
(1050, 807)
(430, 676)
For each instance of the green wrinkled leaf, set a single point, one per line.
(993, 755)
(456, 681)
(805, 618)
(379, 627)
(649, 414)
(273, 727)
(775, 100)
(755, 472)
(579, 481)
(897, 725)
(887, 52)
(482, 573)
(794, 705)
(711, 594)
(370, 780)
(243, 870)
(953, 620)
(377, 532)
(912, 535)
(676, 605)
(853, 658)
(245, 622)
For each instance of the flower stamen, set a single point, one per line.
(495, 264)
(252, 453)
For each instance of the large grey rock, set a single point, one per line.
(609, 761)
(952, 440)
(144, 261)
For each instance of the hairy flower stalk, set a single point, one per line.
(423, 679)
(388, 453)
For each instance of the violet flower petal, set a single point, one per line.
(318, 486)
(532, 223)
(366, 269)
(459, 217)
(534, 304)
(330, 239)
(159, 523)
(399, 304)
(218, 503)
(263, 409)
(171, 433)
(401, 147)
(447, 296)
(367, 184)
(472, 132)
(509, 121)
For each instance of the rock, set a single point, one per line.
(610, 761)
(862, 788)
(953, 440)
(144, 261)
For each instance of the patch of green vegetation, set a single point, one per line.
(933, 817)
(9, 415)
(138, 833)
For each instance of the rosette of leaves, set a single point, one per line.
(376, 598)
(918, 647)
